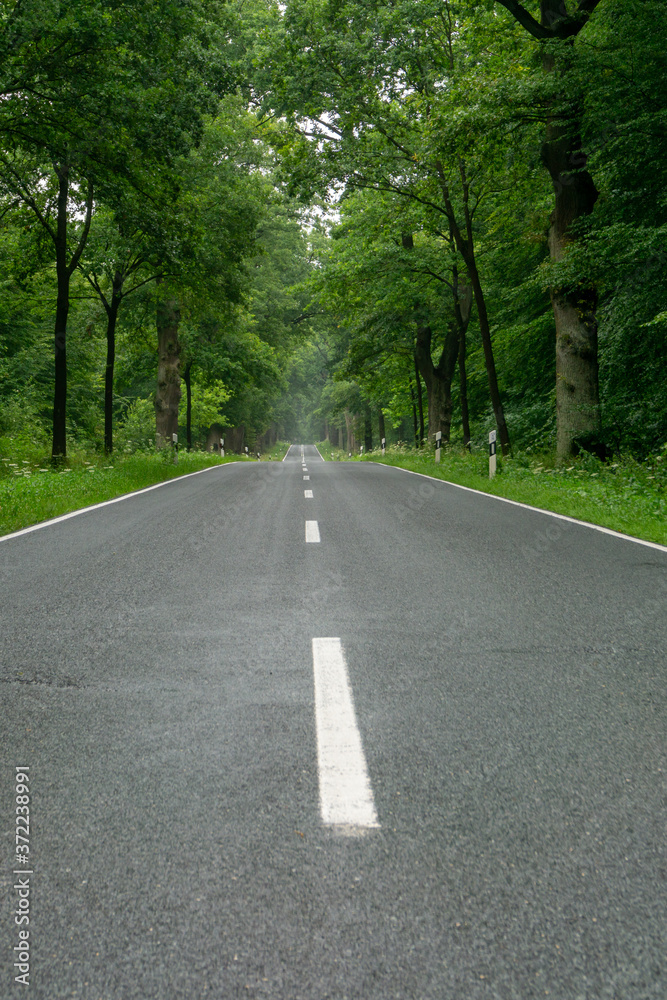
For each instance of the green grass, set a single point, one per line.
(31, 492)
(277, 452)
(626, 496)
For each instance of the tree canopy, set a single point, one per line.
(334, 220)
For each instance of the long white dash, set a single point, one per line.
(312, 531)
(346, 796)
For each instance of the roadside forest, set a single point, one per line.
(332, 221)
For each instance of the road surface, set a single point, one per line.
(415, 750)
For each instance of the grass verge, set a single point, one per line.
(627, 496)
(30, 493)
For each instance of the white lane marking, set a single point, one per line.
(107, 503)
(318, 452)
(306, 477)
(312, 531)
(308, 494)
(527, 506)
(346, 796)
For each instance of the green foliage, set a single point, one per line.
(194, 121)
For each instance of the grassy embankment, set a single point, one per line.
(624, 495)
(32, 491)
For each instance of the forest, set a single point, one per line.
(334, 222)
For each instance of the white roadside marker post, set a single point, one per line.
(384, 441)
(222, 447)
(438, 442)
(246, 451)
(492, 454)
(174, 442)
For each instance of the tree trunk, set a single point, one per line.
(348, 431)
(188, 405)
(414, 413)
(59, 438)
(112, 319)
(577, 393)
(462, 310)
(420, 405)
(168, 392)
(64, 271)
(463, 391)
(438, 379)
(368, 429)
(465, 244)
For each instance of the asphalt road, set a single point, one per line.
(505, 689)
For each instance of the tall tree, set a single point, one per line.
(575, 195)
(366, 83)
(91, 98)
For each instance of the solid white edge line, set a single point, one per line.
(346, 796)
(527, 506)
(318, 451)
(106, 503)
(312, 531)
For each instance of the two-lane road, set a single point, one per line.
(415, 750)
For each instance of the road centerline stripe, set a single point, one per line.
(308, 494)
(312, 531)
(306, 477)
(346, 796)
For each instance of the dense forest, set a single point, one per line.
(333, 221)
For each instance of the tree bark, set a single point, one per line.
(414, 414)
(420, 405)
(188, 405)
(438, 379)
(64, 270)
(112, 318)
(575, 195)
(168, 394)
(462, 309)
(577, 392)
(59, 439)
(368, 429)
(348, 431)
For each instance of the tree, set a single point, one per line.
(81, 88)
(367, 84)
(575, 195)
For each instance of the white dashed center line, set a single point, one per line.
(306, 477)
(308, 494)
(312, 531)
(346, 796)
